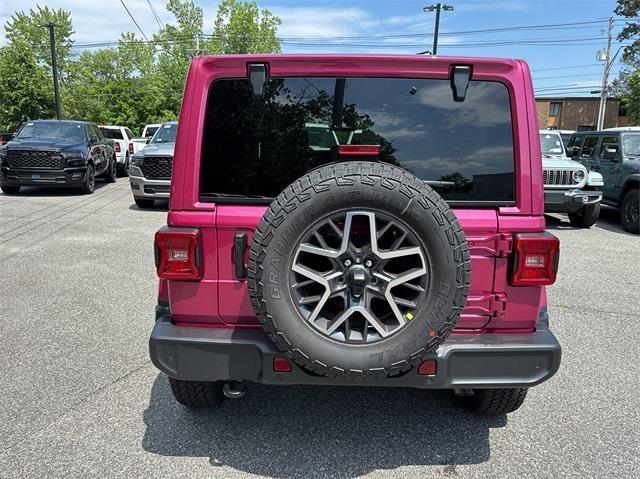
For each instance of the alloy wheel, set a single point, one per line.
(359, 276)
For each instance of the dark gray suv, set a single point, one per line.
(614, 153)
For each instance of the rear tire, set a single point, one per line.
(495, 402)
(143, 203)
(197, 394)
(586, 216)
(111, 174)
(10, 190)
(123, 170)
(630, 212)
(89, 185)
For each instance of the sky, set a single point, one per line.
(560, 41)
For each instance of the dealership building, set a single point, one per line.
(579, 113)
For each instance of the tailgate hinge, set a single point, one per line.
(498, 305)
(498, 245)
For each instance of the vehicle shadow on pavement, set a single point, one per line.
(159, 205)
(300, 431)
(609, 220)
(55, 191)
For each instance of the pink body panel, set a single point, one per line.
(222, 300)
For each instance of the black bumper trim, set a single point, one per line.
(464, 360)
(45, 177)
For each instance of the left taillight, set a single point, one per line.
(131, 148)
(177, 254)
(117, 145)
(535, 259)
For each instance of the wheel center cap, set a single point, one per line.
(357, 277)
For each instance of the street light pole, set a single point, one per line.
(437, 7)
(54, 68)
(608, 63)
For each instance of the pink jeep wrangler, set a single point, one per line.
(362, 220)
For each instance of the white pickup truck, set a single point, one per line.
(124, 145)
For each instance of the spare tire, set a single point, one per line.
(358, 269)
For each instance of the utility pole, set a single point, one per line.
(437, 7)
(608, 63)
(54, 68)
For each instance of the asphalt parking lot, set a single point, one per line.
(80, 397)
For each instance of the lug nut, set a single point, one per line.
(368, 263)
(347, 262)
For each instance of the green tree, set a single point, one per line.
(137, 82)
(631, 31)
(25, 86)
(30, 29)
(627, 86)
(240, 27)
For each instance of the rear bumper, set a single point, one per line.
(464, 361)
(558, 201)
(142, 187)
(42, 177)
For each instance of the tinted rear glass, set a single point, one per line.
(254, 148)
(112, 133)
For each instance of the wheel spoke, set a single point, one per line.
(396, 244)
(403, 302)
(310, 299)
(335, 228)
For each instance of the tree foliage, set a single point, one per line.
(627, 86)
(135, 83)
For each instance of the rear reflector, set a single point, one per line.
(428, 368)
(535, 259)
(117, 147)
(359, 150)
(282, 365)
(177, 253)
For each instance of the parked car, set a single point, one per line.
(568, 186)
(281, 265)
(615, 153)
(57, 153)
(124, 147)
(150, 175)
(147, 133)
(5, 138)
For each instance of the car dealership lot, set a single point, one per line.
(80, 396)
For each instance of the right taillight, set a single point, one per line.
(535, 259)
(177, 254)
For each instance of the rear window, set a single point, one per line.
(253, 148)
(112, 133)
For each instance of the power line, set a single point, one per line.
(155, 14)
(133, 19)
(570, 87)
(570, 75)
(413, 35)
(568, 67)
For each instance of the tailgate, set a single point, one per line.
(488, 301)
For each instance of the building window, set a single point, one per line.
(586, 128)
(554, 109)
(623, 110)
